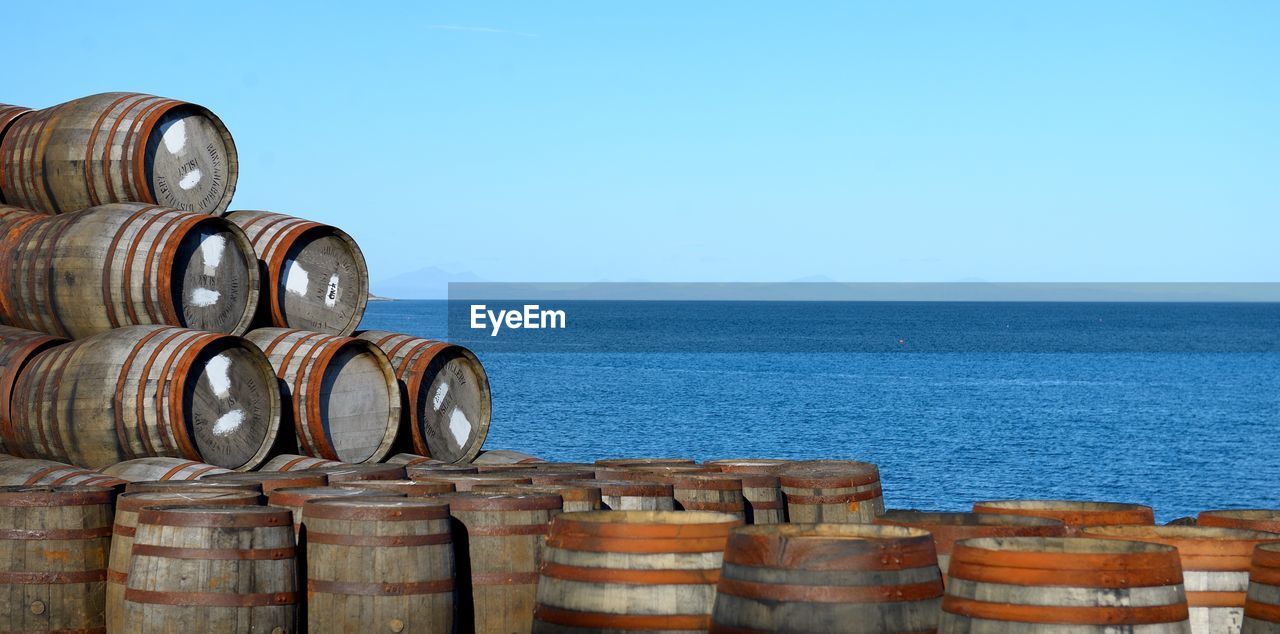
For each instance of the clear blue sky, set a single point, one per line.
(719, 141)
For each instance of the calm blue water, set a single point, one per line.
(1173, 405)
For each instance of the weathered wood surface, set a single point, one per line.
(379, 565)
(359, 472)
(343, 397)
(294, 499)
(828, 578)
(446, 391)
(575, 497)
(720, 492)
(149, 469)
(643, 462)
(410, 488)
(17, 348)
(949, 528)
(269, 481)
(126, 264)
(191, 486)
(468, 481)
(759, 466)
(760, 486)
(497, 541)
(416, 471)
(316, 278)
(1262, 608)
(54, 544)
(35, 472)
(638, 570)
(1075, 514)
(119, 147)
(1251, 519)
(294, 462)
(128, 506)
(556, 476)
(1215, 567)
(409, 460)
(623, 495)
(147, 391)
(213, 569)
(1063, 584)
(504, 456)
(664, 474)
(840, 492)
(9, 114)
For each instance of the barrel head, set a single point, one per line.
(234, 403)
(324, 284)
(360, 404)
(191, 161)
(454, 408)
(215, 278)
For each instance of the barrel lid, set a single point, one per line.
(138, 500)
(198, 515)
(297, 496)
(271, 480)
(828, 473)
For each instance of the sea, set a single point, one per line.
(1174, 405)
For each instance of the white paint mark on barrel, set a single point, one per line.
(438, 399)
(228, 423)
(190, 180)
(459, 426)
(218, 371)
(204, 297)
(211, 249)
(331, 294)
(296, 280)
(175, 137)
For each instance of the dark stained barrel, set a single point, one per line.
(828, 578)
(316, 277)
(358, 472)
(1262, 607)
(268, 481)
(410, 488)
(127, 264)
(838, 492)
(148, 469)
(54, 544)
(1074, 514)
(213, 569)
(147, 391)
(1251, 519)
(612, 571)
(36, 472)
(949, 528)
(343, 397)
(119, 147)
(17, 347)
(128, 506)
(292, 462)
(1063, 584)
(379, 564)
(446, 391)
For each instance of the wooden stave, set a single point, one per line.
(17, 347)
(360, 472)
(94, 150)
(626, 495)
(160, 468)
(411, 460)
(1252, 519)
(294, 462)
(49, 473)
(1262, 608)
(269, 481)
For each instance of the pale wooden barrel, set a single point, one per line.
(1252, 519)
(316, 275)
(949, 528)
(359, 472)
(497, 540)
(643, 462)
(191, 486)
(128, 264)
(835, 492)
(447, 394)
(623, 495)
(294, 499)
(1262, 606)
(213, 569)
(54, 544)
(148, 469)
(409, 460)
(574, 497)
(269, 481)
(631, 570)
(1075, 514)
(36, 472)
(128, 506)
(293, 462)
(410, 488)
(119, 147)
(1063, 584)
(469, 481)
(1215, 567)
(828, 578)
(147, 391)
(720, 492)
(379, 564)
(17, 347)
(343, 395)
(504, 456)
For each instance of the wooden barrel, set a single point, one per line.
(720, 492)
(467, 482)
(269, 481)
(1063, 584)
(504, 456)
(17, 347)
(191, 486)
(147, 391)
(147, 469)
(293, 462)
(54, 543)
(1074, 514)
(623, 495)
(633, 570)
(1215, 567)
(128, 506)
(128, 264)
(643, 462)
(839, 493)
(213, 569)
(762, 466)
(359, 472)
(539, 476)
(379, 564)
(295, 498)
(410, 488)
(446, 392)
(410, 460)
(9, 114)
(665, 474)
(828, 578)
(497, 540)
(119, 147)
(574, 497)
(522, 469)
(343, 396)
(1262, 607)
(764, 500)
(417, 472)
(35, 472)
(949, 528)
(316, 278)
(1251, 519)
